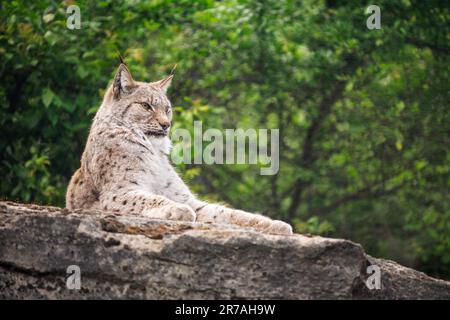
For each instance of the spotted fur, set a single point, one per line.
(125, 166)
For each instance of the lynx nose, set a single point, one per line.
(164, 126)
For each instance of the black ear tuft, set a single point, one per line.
(172, 72)
(120, 58)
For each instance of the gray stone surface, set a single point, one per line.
(135, 257)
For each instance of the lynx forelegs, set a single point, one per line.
(172, 211)
(148, 204)
(220, 214)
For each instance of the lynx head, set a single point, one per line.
(142, 105)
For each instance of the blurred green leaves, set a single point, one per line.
(47, 97)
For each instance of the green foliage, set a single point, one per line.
(313, 226)
(363, 114)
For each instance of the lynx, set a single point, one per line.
(125, 166)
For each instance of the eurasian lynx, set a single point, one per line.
(125, 166)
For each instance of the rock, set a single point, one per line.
(128, 256)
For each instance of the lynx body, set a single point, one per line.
(125, 166)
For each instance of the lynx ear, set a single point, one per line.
(164, 84)
(123, 82)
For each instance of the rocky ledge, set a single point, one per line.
(123, 256)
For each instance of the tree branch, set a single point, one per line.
(363, 193)
(307, 157)
(424, 44)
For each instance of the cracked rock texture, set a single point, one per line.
(128, 256)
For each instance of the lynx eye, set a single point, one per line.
(167, 109)
(147, 106)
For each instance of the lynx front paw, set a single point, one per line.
(279, 227)
(261, 223)
(181, 212)
(178, 212)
